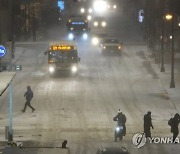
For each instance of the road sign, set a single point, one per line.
(2, 51)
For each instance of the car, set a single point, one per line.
(99, 22)
(111, 45)
(112, 150)
(111, 6)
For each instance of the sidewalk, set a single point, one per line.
(165, 77)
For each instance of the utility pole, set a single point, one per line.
(12, 29)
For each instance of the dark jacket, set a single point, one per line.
(28, 94)
(120, 118)
(174, 124)
(147, 121)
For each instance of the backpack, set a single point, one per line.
(170, 121)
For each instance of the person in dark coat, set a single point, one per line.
(148, 124)
(64, 144)
(29, 95)
(121, 119)
(174, 126)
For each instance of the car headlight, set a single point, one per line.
(74, 69)
(85, 36)
(95, 23)
(51, 69)
(108, 6)
(95, 41)
(89, 17)
(114, 6)
(104, 47)
(71, 28)
(82, 10)
(103, 24)
(119, 47)
(70, 36)
(90, 10)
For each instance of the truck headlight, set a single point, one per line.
(89, 17)
(90, 10)
(85, 36)
(82, 10)
(74, 69)
(95, 23)
(51, 69)
(95, 41)
(103, 24)
(71, 36)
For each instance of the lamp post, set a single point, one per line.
(167, 17)
(172, 83)
(162, 46)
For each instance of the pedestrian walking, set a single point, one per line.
(29, 95)
(148, 124)
(174, 123)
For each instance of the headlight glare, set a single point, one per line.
(95, 41)
(82, 10)
(90, 10)
(51, 69)
(71, 36)
(89, 17)
(74, 69)
(95, 23)
(85, 36)
(117, 129)
(103, 24)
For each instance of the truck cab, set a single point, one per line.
(77, 25)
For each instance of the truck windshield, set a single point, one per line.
(78, 25)
(62, 56)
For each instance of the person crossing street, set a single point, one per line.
(29, 95)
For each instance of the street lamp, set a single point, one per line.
(172, 83)
(168, 16)
(162, 46)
